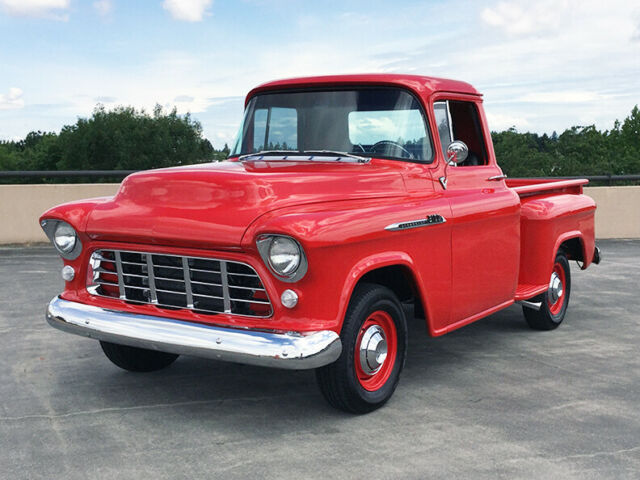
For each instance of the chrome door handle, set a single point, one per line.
(497, 177)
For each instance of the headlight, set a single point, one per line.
(284, 256)
(65, 238)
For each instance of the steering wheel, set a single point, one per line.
(393, 144)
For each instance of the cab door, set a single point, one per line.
(485, 216)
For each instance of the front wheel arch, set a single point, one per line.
(394, 270)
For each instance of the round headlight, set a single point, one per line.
(64, 237)
(284, 255)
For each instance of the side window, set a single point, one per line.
(463, 123)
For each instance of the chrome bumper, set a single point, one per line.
(279, 350)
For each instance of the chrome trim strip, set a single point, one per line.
(434, 219)
(269, 349)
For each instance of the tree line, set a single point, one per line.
(576, 151)
(125, 138)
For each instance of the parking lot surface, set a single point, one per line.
(491, 400)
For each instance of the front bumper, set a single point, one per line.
(280, 350)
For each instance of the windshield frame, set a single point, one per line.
(347, 87)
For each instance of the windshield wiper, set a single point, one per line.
(308, 153)
(338, 154)
(267, 152)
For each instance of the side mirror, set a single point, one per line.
(457, 152)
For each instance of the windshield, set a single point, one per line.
(380, 122)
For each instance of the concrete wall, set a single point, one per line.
(618, 214)
(22, 205)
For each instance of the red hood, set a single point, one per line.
(211, 205)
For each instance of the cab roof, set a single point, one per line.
(421, 85)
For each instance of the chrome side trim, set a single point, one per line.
(434, 219)
(290, 350)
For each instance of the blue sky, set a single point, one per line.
(543, 65)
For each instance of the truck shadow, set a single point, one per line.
(198, 391)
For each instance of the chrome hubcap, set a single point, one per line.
(555, 288)
(373, 349)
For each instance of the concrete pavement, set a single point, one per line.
(491, 400)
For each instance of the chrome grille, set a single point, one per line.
(204, 285)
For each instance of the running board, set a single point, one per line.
(532, 305)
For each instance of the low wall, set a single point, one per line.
(618, 214)
(22, 205)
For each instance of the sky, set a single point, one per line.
(542, 65)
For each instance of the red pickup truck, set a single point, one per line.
(345, 200)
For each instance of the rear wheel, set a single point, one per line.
(374, 345)
(137, 359)
(555, 300)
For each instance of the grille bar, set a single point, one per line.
(225, 287)
(152, 280)
(120, 279)
(187, 281)
(202, 284)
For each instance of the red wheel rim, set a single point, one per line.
(381, 324)
(555, 302)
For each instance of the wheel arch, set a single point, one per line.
(394, 270)
(573, 244)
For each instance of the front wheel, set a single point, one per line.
(555, 301)
(374, 346)
(137, 359)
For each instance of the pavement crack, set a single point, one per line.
(598, 454)
(107, 410)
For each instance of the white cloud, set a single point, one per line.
(502, 121)
(568, 96)
(187, 10)
(34, 8)
(523, 18)
(103, 7)
(11, 100)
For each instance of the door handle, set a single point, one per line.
(497, 177)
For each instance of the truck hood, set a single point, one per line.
(211, 205)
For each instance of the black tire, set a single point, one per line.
(550, 317)
(137, 359)
(339, 382)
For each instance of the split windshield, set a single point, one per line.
(368, 122)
